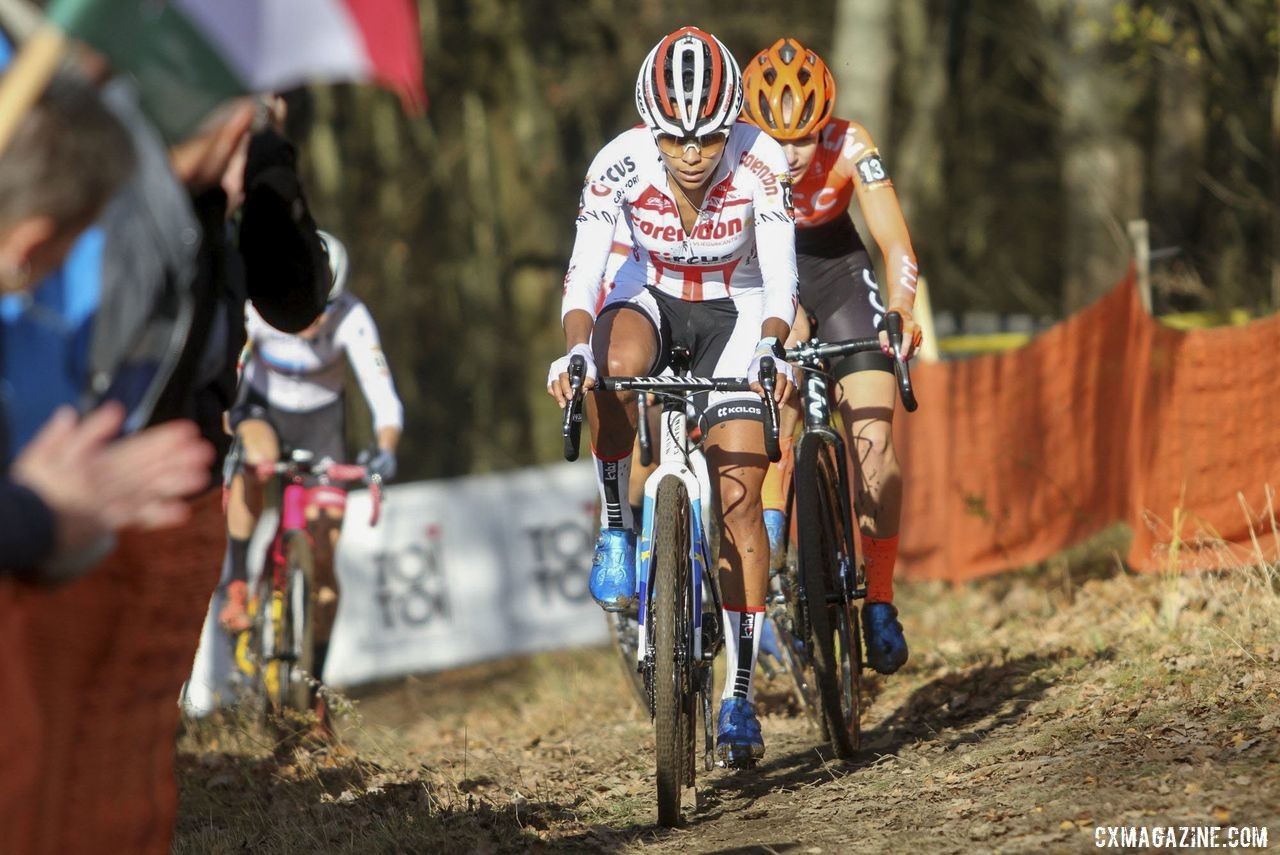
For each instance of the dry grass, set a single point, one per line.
(1035, 706)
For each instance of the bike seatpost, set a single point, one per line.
(572, 427)
(768, 382)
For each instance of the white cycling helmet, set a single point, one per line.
(337, 263)
(689, 85)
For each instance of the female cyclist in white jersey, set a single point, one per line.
(707, 202)
(291, 394)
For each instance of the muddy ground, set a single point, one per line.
(1035, 708)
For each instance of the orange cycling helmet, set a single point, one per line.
(788, 67)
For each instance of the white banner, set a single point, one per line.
(455, 572)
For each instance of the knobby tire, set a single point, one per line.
(832, 645)
(671, 619)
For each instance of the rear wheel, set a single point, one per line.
(671, 619)
(828, 610)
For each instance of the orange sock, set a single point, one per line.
(773, 494)
(880, 553)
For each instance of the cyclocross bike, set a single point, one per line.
(814, 600)
(676, 637)
(277, 653)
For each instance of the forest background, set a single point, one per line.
(1022, 137)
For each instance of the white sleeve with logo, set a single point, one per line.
(776, 233)
(598, 216)
(358, 336)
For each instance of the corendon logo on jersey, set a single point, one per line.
(717, 231)
(703, 231)
(761, 170)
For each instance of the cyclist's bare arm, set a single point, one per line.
(883, 214)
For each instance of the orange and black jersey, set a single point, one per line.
(846, 165)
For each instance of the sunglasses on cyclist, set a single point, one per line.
(707, 145)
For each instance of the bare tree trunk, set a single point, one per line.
(863, 62)
(1178, 152)
(1102, 173)
(917, 157)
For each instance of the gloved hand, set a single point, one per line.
(558, 374)
(381, 463)
(770, 349)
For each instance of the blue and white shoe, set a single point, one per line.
(775, 525)
(886, 646)
(613, 569)
(739, 743)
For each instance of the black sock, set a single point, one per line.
(238, 553)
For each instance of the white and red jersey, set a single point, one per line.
(303, 373)
(744, 238)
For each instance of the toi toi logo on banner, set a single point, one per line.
(562, 560)
(412, 590)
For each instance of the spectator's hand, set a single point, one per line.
(201, 162)
(381, 463)
(96, 485)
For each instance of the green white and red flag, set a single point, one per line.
(188, 56)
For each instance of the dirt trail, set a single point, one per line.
(1033, 710)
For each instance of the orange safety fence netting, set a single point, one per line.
(1107, 417)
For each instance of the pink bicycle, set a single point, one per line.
(277, 653)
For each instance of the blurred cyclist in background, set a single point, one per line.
(291, 396)
(789, 94)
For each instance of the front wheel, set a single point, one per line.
(830, 616)
(671, 619)
(288, 657)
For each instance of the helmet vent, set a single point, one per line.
(787, 52)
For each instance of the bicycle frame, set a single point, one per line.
(816, 399)
(676, 459)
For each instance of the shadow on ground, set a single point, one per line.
(956, 708)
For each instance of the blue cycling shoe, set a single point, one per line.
(739, 743)
(613, 569)
(775, 525)
(886, 647)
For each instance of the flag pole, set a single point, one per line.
(27, 76)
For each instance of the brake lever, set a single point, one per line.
(768, 382)
(571, 429)
(893, 326)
